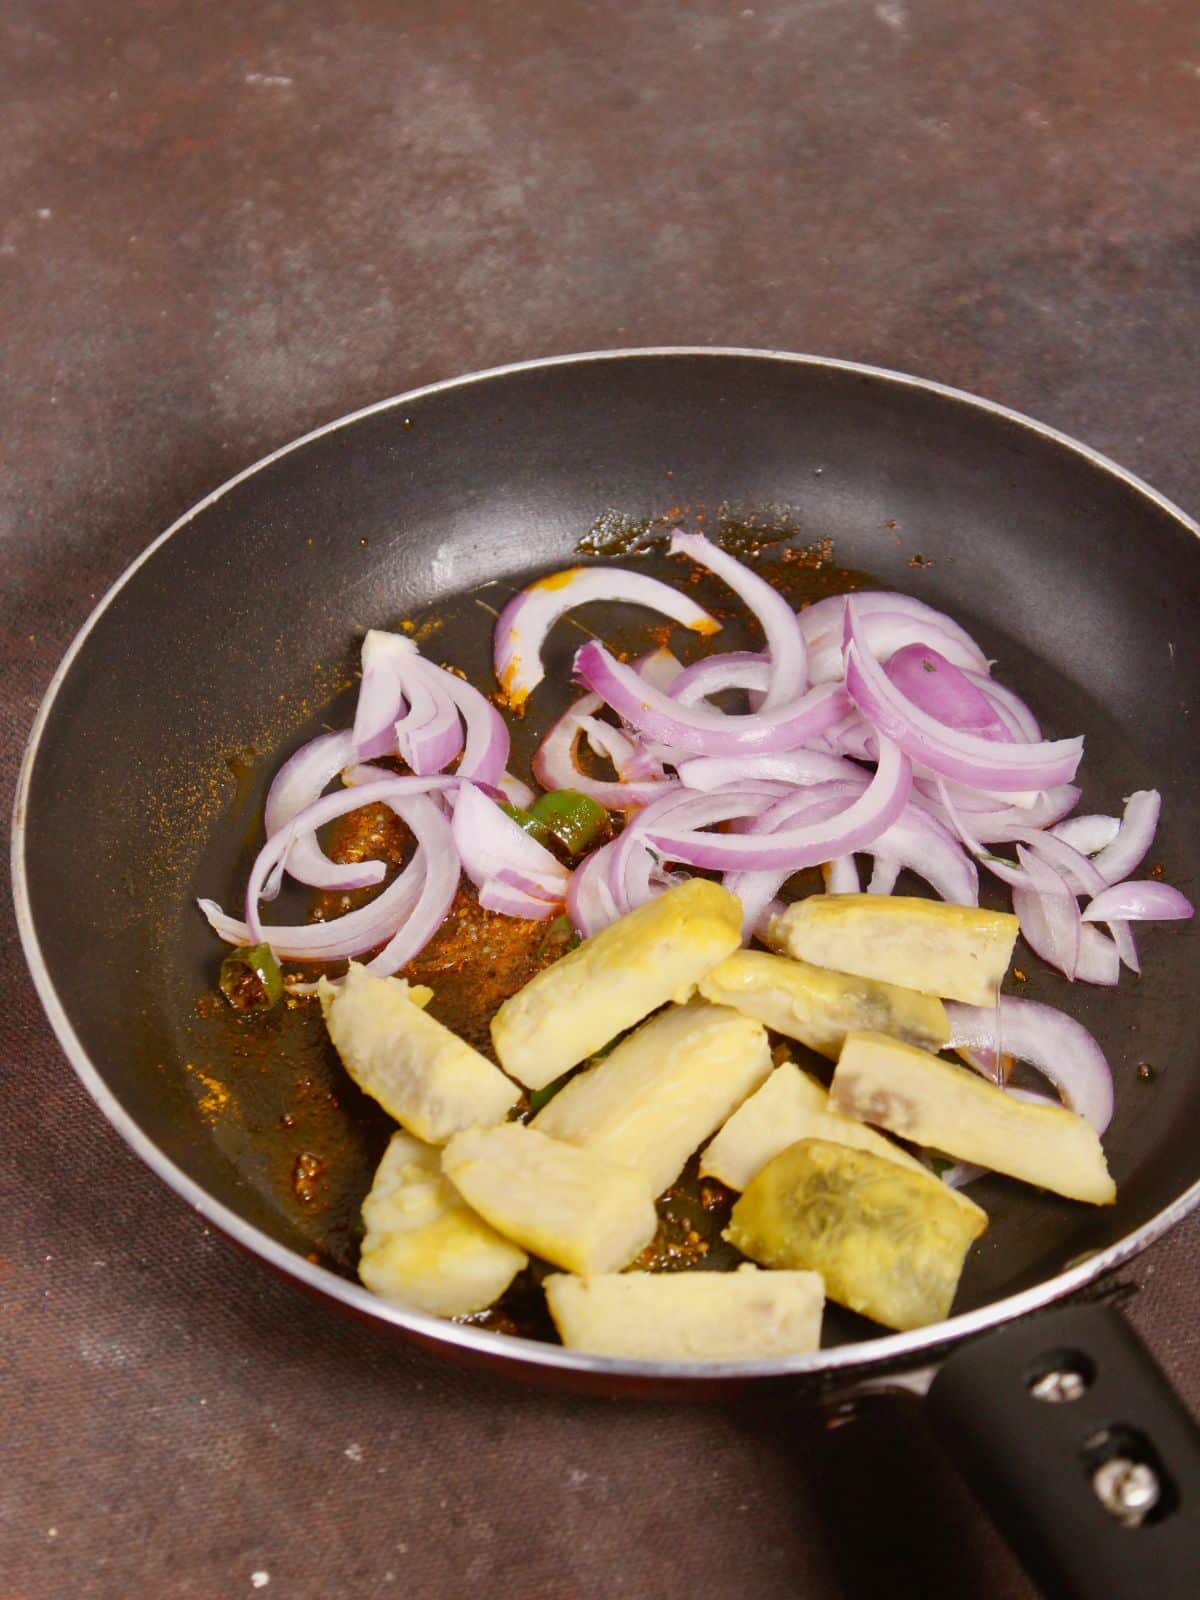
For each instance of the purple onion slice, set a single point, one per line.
(1060, 1048)
(785, 638)
(963, 756)
(522, 626)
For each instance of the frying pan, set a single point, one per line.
(232, 639)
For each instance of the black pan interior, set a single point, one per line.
(236, 639)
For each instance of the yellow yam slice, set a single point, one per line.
(420, 1072)
(424, 1247)
(565, 1204)
(663, 1090)
(689, 1316)
(888, 1242)
(656, 953)
(789, 1106)
(819, 1007)
(951, 1108)
(955, 952)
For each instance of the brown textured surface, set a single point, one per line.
(221, 225)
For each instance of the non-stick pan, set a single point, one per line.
(233, 638)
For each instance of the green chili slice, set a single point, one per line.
(250, 978)
(575, 820)
(533, 826)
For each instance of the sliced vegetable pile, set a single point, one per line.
(875, 729)
(830, 1203)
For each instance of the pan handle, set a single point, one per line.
(1082, 1453)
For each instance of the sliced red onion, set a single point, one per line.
(841, 876)
(936, 686)
(1082, 876)
(800, 767)
(1009, 707)
(1098, 960)
(515, 792)
(1120, 859)
(757, 892)
(590, 902)
(684, 810)
(438, 889)
(920, 842)
(1059, 907)
(555, 767)
(488, 842)
(637, 760)
(884, 872)
(528, 617)
(757, 889)
(541, 886)
(380, 703)
(647, 762)
(1052, 928)
(1058, 1046)
(1044, 929)
(779, 623)
(373, 924)
(890, 621)
(349, 935)
(1087, 834)
(642, 879)
(513, 902)
(738, 669)
(964, 756)
(854, 737)
(701, 729)
(485, 751)
(301, 780)
(389, 791)
(923, 844)
(430, 735)
(660, 668)
(991, 824)
(614, 745)
(631, 866)
(1069, 868)
(791, 847)
(1144, 900)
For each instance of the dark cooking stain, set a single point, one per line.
(476, 960)
(614, 533)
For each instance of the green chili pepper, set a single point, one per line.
(250, 978)
(559, 937)
(533, 826)
(543, 1096)
(574, 819)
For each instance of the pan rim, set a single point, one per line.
(897, 1349)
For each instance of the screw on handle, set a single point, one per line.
(1127, 1489)
(1079, 1448)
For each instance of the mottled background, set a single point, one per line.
(221, 225)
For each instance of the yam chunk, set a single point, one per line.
(424, 1246)
(951, 1108)
(889, 1243)
(955, 952)
(663, 1090)
(657, 952)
